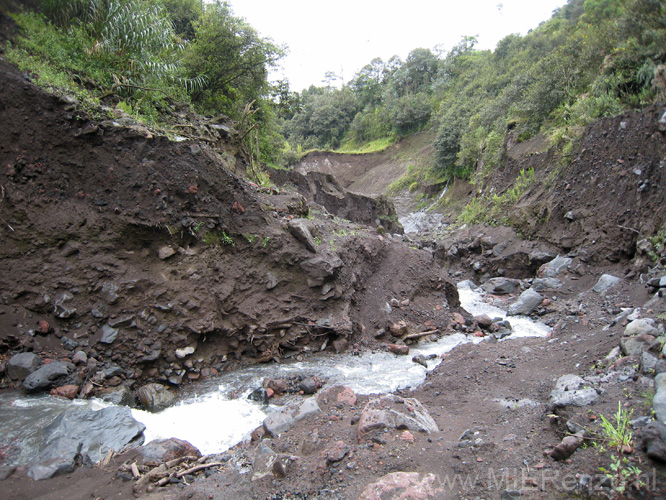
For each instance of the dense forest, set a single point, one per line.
(593, 58)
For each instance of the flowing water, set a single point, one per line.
(219, 414)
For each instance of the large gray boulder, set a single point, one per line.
(320, 268)
(528, 301)
(46, 376)
(569, 391)
(555, 267)
(392, 411)
(86, 434)
(280, 421)
(605, 283)
(23, 364)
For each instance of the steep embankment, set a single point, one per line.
(128, 246)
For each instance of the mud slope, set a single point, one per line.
(108, 227)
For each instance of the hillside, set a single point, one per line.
(138, 264)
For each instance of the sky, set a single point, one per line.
(344, 35)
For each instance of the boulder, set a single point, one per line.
(163, 450)
(545, 284)
(267, 463)
(68, 391)
(300, 229)
(528, 301)
(653, 440)
(605, 283)
(278, 422)
(86, 434)
(569, 391)
(403, 486)
(555, 267)
(392, 411)
(119, 396)
(501, 286)
(337, 394)
(155, 397)
(46, 376)
(320, 268)
(21, 365)
(641, 326)
(637, 344)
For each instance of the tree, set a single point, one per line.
(232, 58)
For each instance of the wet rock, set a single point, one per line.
(484, 321)
(528, 301)
(501, 286)
(119, 396)
(109, 334)
(392, 411)
(46, 376)
(279, 385)
(163, 450)
(403, 486)
(504, 329)
(155, 397)
(320, 268)
(21, 365)
(278, 422)
(68, 391)
(401, 350)
(421, 360)
(555, 267)
(308, 385)
(259, 395)
(653, 440)
(605, 283)
(300, 229)
(85, 433)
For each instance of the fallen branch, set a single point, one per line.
(413, 336)
(198, 468)
(629, 229)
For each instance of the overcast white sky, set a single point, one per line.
(344, 35)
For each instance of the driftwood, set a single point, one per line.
(165, 472)
(414, 336)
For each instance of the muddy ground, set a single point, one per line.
(105, 223)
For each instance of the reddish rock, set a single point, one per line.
(279, 385)
(403, 486)
(337, 394)
(402, 350)
(458, 318)
(340, 345)
(44, 328)
(65, 391)
(270, 393)
(407, 436)
(193, 375)
(336, 451)
(479, 334)
(209, 372)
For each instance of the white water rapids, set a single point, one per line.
(221, 415)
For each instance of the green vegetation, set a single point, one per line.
(146, 56)
(593, 58)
